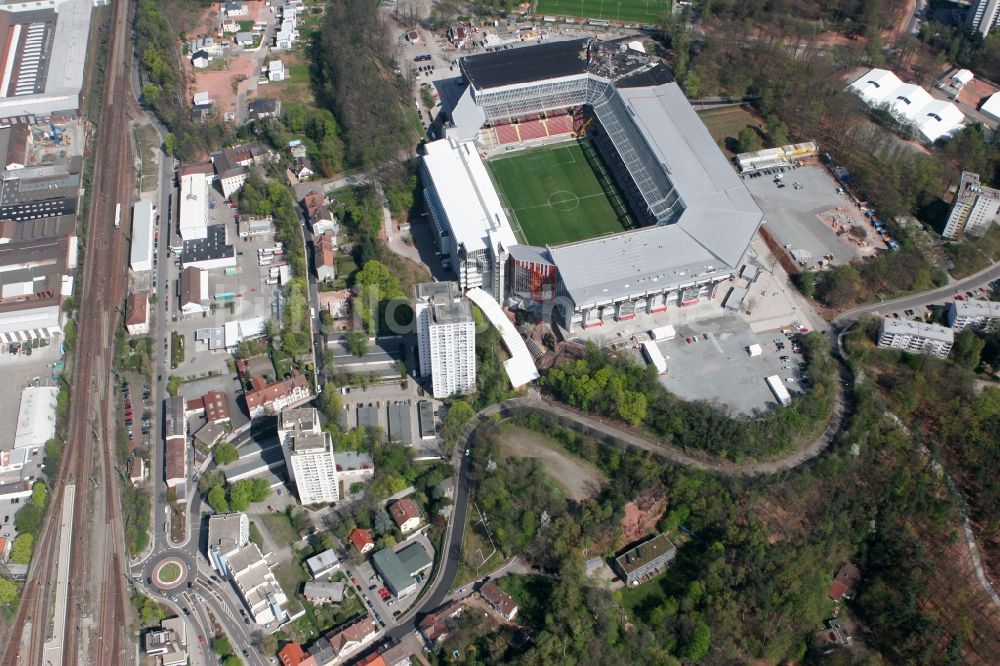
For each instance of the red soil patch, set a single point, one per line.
(642, 514)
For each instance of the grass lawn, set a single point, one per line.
(148, 142)
(554, 195)
(169, 572)
(725, 124)
(279, 527)
(628, 11)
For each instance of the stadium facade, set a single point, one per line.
(696, 217)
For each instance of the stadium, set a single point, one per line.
(575, 176)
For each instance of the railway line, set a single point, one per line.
(96, 620)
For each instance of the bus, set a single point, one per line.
(118, 216)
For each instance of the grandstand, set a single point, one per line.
(694, 214)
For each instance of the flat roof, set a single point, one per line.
(919, 329)
(425, 416)
(642, 554)
(971, 307)
(467, 195)
(399, 423)
(522, 65)
(520, 367)
(367, 416)
(36, 417)
(141, 253)
(212, 246)
(193, 205)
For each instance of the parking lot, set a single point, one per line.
(708, 360)
(21, 371)
(791, 214)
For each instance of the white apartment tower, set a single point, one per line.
(916, 337)
(982, 16)
(308, 455)
(446, 338)
(975, 207)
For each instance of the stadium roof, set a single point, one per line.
(522, 65)
(469, 199)
(520, 367)
(720, 216)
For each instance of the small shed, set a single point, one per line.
(754, 350)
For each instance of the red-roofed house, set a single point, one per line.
(313, 202)
(137, 314)
(274, 397)
(361, 539)
(292, 654)
(434, 626)
(324, 257)
(216, 407)
(353, 639)
(406, 514)
(373, 659)
(845, 583)
(498, 600)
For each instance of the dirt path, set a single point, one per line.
(579, 479)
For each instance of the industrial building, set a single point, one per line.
(980, 315)
(143, 226)
(916, 337)
(36, 416)
(976, 208)
(446, 338)
(644, 559)
(696, 216)
(43, 49)
(932, 119)
(193, 214)
(398, 569)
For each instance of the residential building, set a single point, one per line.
(308, 455)
(209, 434)
(323, 592)
(980, 315)
(275, 71)
(231, 174)
(244, 39)
(234, 9)
(644, 559)
(227, 533)
(446, 338)
(292, 654)
(406, 514)
(313, 202)
(396, 655)
(200, 59)
(324, 258)
(194, 290)
(976, 207)
(361, 540)
(370, 659)
(302, 168)
(845, 584)
(137, 470)
(499, 601)
(323, 564)
(435, 626)
(206, 44)
(352, 639)
(168, 644)
(398, 568)
(258, 588)
(324, 222)
(137, 313)
(916, 337)
(214, 406)
(271, 398)
(175, 450)
(260, 109)
(982, 16)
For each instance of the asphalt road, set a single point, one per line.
(944, 294)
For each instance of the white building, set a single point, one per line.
(36, 417)
(916, 337)
(446, 338)
(778, 389)
(470, 225)
(980, 315)
(168, 644)
(193, 224)
(318, 472)
(323, 564)
(976, 207)
(932, 119)
(143, 222)
(275, 71)
(982, 16)
(227, 533)
(991, 107)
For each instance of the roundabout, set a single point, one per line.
(169, 573)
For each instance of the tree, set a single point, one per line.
(225, 453)
(968, 349)
(357, 343)
(221, 646)
(20, 551)
(329, 403)
(39, 495)
(8, 592)
(459, 414)
(269, 644)
(699, 643)
(217, 499)
(232, 660)
(748, 140)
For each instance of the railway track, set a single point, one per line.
(88, 460)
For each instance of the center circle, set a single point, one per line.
(563, 201)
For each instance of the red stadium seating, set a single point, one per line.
(559, 125)
(507, 134)
(533, 129)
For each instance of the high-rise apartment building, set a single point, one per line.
(446, 338)
(982, 16)
(916, 337)
(980, 315)
(309, 456)
(975, 207)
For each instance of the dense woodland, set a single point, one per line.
(617, 386)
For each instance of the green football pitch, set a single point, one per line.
(626, 11)
(555, 196)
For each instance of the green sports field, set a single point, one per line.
(555, 195)
(625, 11)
